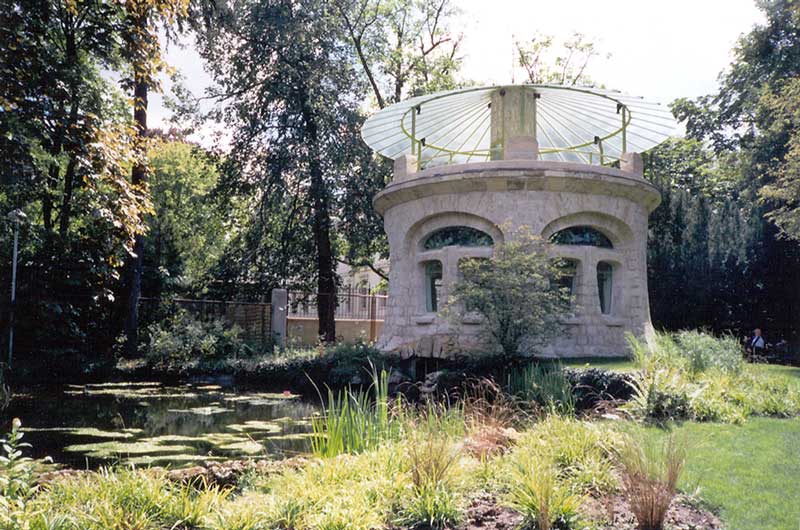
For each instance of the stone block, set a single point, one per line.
(522, 148)
(405, 167)
(632, 163)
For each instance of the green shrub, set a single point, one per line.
(705, 351)
(129, 498)
(693, 375)
(183, 341)
(515, 292)
(430, 507)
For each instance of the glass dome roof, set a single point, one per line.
(573, 124)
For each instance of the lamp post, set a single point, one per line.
(16, 216)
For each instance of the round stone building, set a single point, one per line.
(473, 165)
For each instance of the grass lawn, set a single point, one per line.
(619, 364)
(750, 473)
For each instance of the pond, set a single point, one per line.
(145, 423)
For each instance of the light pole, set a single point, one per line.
(16, 216)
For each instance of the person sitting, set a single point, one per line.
(757, 345)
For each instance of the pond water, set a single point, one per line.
(156, 424)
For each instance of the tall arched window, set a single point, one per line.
(462, 236)
(433, 284)
(581, 235)
(605, 287)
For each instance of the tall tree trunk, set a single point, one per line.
(74, 104)
(326, 276)
(133, 283)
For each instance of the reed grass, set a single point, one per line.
(650, 472)
(546, 386)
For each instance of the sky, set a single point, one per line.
(658, 50)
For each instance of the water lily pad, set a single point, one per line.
(262, 397)
(133, 393)
(110, 449)
(249, 447)
(256, 426)
(166, 460)
(92, 432)
(201, 411)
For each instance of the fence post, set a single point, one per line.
(280, 313)
(373, 324)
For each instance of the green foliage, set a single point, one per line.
(692, 375)
(515, 293)
(751, 123)
(127, 498)
(355, 421)
(555, 463)
(183, 341)
(566, 66)
(705, 352)
(781, 109)
(543, 385)
(433, 503)
(187, 230)
(580, 450)
(17, 479)
(543, 500)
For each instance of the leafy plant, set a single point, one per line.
(692, 375)
(515, 292)
(650, 473)
(17, 480)
(184, 340)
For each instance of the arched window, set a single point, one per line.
(569, 273)
(433, 284)
(462, 236)
(581, 235)
(605, 277)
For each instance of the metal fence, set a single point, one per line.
(350, 305)
(252, 317)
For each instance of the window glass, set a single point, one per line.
(581, 235)
(605, 276)
(462, 236)
(569, 272)
(433, 285)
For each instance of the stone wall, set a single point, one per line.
(497, 198)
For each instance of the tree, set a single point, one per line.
(187, 229)
(292, 105)
(744, 122)
(66, 144)
(566, 67)
(142, 51)
(782, 111)
(404, 47)
(516, 292)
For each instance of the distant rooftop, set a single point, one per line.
(585, 125)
